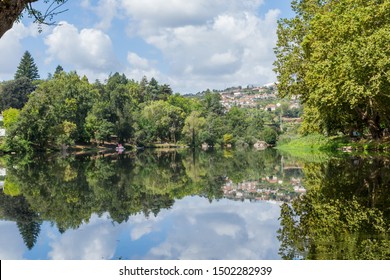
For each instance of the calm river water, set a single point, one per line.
(235, 204)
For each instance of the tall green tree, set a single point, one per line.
(27, 68)
(335, 56)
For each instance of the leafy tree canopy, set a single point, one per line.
(15, 93)
(335, 55)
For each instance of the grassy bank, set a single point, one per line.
(317, 142)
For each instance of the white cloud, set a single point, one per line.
(11, 48)
(149, 14)
(137, 62)
(140, 67)
(106, 10)
(93, 241)
(206, 44)
(200, 230)
(89, 51)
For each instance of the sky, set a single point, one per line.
(192, 45)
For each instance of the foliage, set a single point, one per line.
(163, 122)
(211, 103)
(193, 128)
(334, 55)
(11, 116)
(15, 93)
(228, 139)
(269, 135)
(66, 109)
(27, 68)
(11, 188)
(312, 141)
(57, 109)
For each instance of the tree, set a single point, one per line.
(27, 68)
(193, 126)
(269, 135)
(15, 93)
(160, 121)
(212, 103)
(335, 56)
(55, 114)
(58, 70)
(12, 10)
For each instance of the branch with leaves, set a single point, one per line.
(11, 11)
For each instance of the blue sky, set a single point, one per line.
(190, 44)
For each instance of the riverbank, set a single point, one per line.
(317, 142)
(107, 147)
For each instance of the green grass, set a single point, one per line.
(318, 142)
(311, 142)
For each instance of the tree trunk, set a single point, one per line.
(10, 10)
(372, 121)
(374, 127)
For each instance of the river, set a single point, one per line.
(179, 204)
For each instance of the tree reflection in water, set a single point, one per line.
(67, 190)
(344, 215)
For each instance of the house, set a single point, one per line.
(270, 107)
(2, 132)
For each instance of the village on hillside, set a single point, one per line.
(259, 97)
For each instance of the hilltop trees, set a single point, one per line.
(335, 56)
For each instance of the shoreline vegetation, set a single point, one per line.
(66, 110)
(297, 144)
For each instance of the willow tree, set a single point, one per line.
(335, 55)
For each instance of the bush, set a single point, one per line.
(269, 135)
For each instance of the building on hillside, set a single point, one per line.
(270, 107)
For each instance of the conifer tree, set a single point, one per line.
(27, 68)
(58, 70)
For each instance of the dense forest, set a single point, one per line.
(66, 109)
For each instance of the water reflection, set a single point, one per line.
(67, 196)
(203, 205)
(345, 213)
